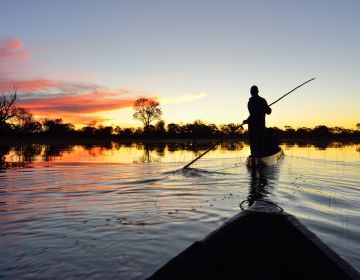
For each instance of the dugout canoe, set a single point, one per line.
(265, 161)
(262, 242)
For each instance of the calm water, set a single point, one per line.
(123, 210)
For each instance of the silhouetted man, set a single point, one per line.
(258, 108)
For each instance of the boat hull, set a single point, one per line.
(265, 161)
(258, 243)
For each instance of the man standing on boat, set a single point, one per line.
(258, 109)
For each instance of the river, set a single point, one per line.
(121, 210)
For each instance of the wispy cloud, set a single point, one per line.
(26, 85)
(90, 102)
(182, 98)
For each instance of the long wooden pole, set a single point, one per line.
(218, 142)
(291, 91)
(208, 150)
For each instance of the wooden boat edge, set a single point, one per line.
(265, 161)
(352, 272)
(264, 209)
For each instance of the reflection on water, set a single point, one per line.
(24, 154)
(262, 182)
(121, 210)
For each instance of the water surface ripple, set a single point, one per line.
(114, 215)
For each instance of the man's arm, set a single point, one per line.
(267, 108)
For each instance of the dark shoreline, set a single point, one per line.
(82, 141)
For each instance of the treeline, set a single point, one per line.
(19, 123)
(58, 129)
(318, 132)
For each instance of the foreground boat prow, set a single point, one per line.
(262, 242)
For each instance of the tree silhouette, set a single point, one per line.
(8, 110)
(174, 130)
(230, 129)
(321, 131)
(104, 131)
(57, 127)
(7, 105)
(160, 128)
(24, 122)
(146, 110)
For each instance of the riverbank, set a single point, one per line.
(84, 141)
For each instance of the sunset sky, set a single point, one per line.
(88, 60)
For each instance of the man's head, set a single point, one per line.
(254, 91)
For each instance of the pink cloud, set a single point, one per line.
(44, 86)
(92, 102)
(11, 48)
(30, 85)
(13, 59)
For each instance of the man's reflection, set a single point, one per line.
(261, 183)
